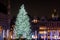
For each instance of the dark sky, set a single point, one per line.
(35, 7)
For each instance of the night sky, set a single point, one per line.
(35, 7)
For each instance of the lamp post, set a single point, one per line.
(35, 21)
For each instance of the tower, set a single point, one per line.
(9, 18)
(55, 14)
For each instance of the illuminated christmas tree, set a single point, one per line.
(22, 25)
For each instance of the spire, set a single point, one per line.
(55, 14)
(9, 10)
(54, 10)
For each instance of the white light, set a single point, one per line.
(45, 32)
(7, 33)
(11, 37)
(3, 33)
(34, 36)
(55, 37)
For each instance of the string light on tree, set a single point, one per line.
(22, 25)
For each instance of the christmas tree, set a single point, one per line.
(22, 25)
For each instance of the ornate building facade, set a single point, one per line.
(50, 29)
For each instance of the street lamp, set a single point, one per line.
(35, 21)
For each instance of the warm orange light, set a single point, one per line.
(42, 32)
(35, 20)
(42, 28)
